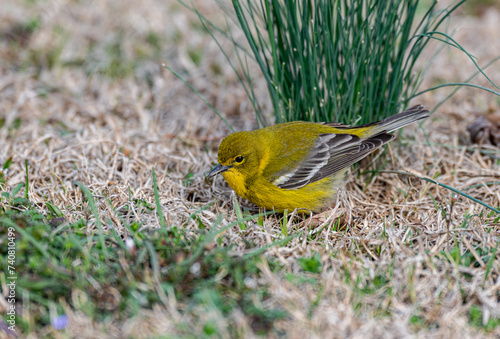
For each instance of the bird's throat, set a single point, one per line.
(236, 181)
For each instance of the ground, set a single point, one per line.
(84, 98)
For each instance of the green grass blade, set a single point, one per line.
(159, 210)
(459, 84)
(27, 182)
(93, 208)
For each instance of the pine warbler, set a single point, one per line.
(300, 165)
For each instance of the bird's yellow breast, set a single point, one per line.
(312, 197)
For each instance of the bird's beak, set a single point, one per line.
(217, 169)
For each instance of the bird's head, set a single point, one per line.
(238, 158)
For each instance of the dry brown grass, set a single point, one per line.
(75, 123)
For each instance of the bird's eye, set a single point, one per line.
(238, 159)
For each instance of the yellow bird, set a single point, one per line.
(300, 165)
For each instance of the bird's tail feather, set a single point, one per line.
(399, 120)
(391, 123)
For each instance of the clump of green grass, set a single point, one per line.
(346, 61)
(341, 61)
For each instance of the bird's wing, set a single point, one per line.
(330, 154)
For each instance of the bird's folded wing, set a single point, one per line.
(330, 154)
